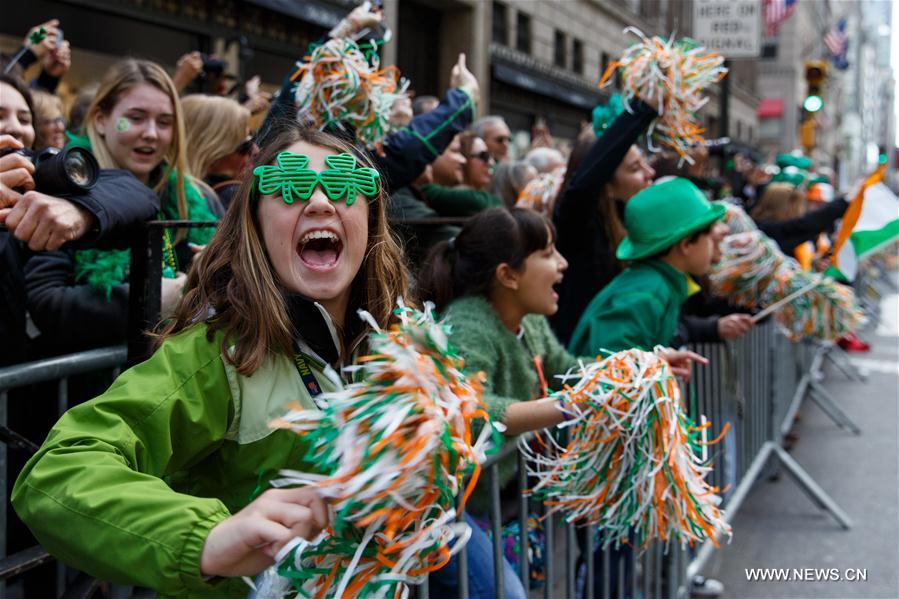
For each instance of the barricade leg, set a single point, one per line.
(828, 405)
(524, 569)
(843, 364)
(811, 488)
(496, 528)
(570, 561)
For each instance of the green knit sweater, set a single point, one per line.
(508, 363)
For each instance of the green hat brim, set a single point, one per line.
(637, 251)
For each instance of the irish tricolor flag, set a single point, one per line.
(870, 223)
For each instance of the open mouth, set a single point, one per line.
(145, 151)
(555, 289)
(320, 250)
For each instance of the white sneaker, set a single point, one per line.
(701, 586)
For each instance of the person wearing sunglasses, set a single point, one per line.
(479, 163)
(496, 134)
(473, 195)
(219, 145)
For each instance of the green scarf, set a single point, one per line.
(104, 269)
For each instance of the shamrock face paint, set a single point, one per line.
(341, 180)
(122, 125)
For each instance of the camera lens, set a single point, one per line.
(73, 170)
(77, 169)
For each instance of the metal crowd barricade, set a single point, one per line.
(60, 369)
(752, 383)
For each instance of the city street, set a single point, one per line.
(778, 527)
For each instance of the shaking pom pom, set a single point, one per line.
(634, 460)
(748, 265)
(541, 192)
(674, 75)
(737, 220)
(754, 273)
(394, 450)
(828, 311)
(341, 85)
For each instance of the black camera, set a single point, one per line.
(212, 66)
(71, 171)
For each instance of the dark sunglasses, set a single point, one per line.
(484, 157)
(246, 146)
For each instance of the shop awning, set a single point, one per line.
(770, 108)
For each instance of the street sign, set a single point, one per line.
(731, 27)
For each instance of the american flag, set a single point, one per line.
(838, 44)
(776, 12)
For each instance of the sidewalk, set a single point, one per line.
(779, 527)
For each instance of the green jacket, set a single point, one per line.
(639, 308)
(458, 201)
(508, 363)
(128, 485)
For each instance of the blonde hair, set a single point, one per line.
(44, 105)
(121, 77)
(215, 126)
(234, 278)
(780, 201)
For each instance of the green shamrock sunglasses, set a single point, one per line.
(291, 178)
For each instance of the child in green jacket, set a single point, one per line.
(153, 483)
(669, 228)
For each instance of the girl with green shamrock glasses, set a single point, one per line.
(155, 481)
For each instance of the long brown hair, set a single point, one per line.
(780, 201)
(234, 280)
(215, 126)
(608, 207)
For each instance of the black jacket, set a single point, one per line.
(791, 233)
(119, 202)
(582, 238)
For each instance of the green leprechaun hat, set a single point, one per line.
(663, 214)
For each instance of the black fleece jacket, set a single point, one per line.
(118, 203)
(581, 235)
(791, 233)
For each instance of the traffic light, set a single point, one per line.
(815, 74)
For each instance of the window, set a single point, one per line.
(770, 128)
(523, 33)
(500, 24)
(769, 50)
(577, 56)
(559, 49)
(739, 129)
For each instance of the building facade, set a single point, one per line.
(534, 59)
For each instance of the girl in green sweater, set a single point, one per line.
(495, 284)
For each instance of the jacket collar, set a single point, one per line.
(314, 330)
(675, 278)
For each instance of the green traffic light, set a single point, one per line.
(813, 103)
